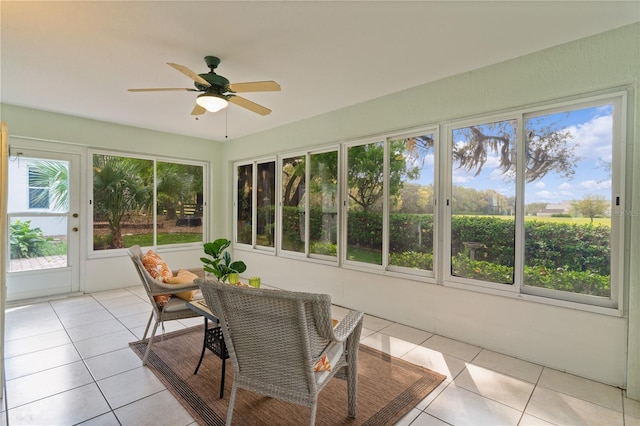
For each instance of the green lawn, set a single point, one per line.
(604, 221)
(361, 254)
(597, 221)
(146, 240)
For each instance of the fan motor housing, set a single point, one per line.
(216, 81)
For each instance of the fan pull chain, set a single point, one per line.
(226, 123)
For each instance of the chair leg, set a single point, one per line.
(314, 409)
(146, 330)
(232, 400)
(352, 376)
(153, 334)
(352, 390)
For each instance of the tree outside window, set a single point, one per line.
(123, 197)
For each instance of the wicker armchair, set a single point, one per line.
(175, 309)
(274, 338)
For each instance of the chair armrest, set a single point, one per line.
(347, 325)
(164, 288)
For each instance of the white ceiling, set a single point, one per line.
(79, 57)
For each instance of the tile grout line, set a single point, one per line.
(84, 362)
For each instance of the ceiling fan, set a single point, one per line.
(217, 91)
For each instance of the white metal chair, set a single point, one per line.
(174, 309)
(275, 337)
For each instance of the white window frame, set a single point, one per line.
(613, 304)
(280, 206)
(94, 254)
(403, 271)
(344, 164)
(254, 204)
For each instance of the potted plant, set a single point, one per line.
(220, 263)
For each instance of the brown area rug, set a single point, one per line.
(388, 387)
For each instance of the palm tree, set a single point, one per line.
(53, 175)
(119, 191)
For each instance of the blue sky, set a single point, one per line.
(591, 129)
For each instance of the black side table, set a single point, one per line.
(213, 339)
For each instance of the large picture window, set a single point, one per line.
(482, 201)
(411, 201)
(569, 200)
(365, 197)
(293, 204)
(145, 202)
(244, 204)
(266, 204)
(324, 200)
(309, 211)
(255, 209)
(534, 208)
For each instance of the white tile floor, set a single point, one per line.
(68, 362)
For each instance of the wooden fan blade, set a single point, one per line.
(192, 75)
(198, 110)
(255, 86)
(163, 89)
(251, 106)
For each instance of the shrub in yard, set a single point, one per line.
(462, 266)
(412, 259)
(327, 249)
(25, 241)
(583, 282)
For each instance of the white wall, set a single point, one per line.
(587, 344)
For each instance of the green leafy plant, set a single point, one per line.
(26, 241)
(220, 263)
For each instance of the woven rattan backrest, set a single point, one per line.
(272, 335)
(147, 280)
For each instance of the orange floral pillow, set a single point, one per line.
(158, 270)
(156, 267)
(162, 299)
(322, 364)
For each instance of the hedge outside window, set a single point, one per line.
(411, 201)
(293, 204)
(365, 190)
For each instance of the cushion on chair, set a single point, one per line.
(334, 353)
(184, 277)
(162, 299)
(158, 269)
(176, 304)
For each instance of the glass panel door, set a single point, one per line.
(43, 224)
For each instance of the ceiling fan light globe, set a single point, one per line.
(211, 102)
